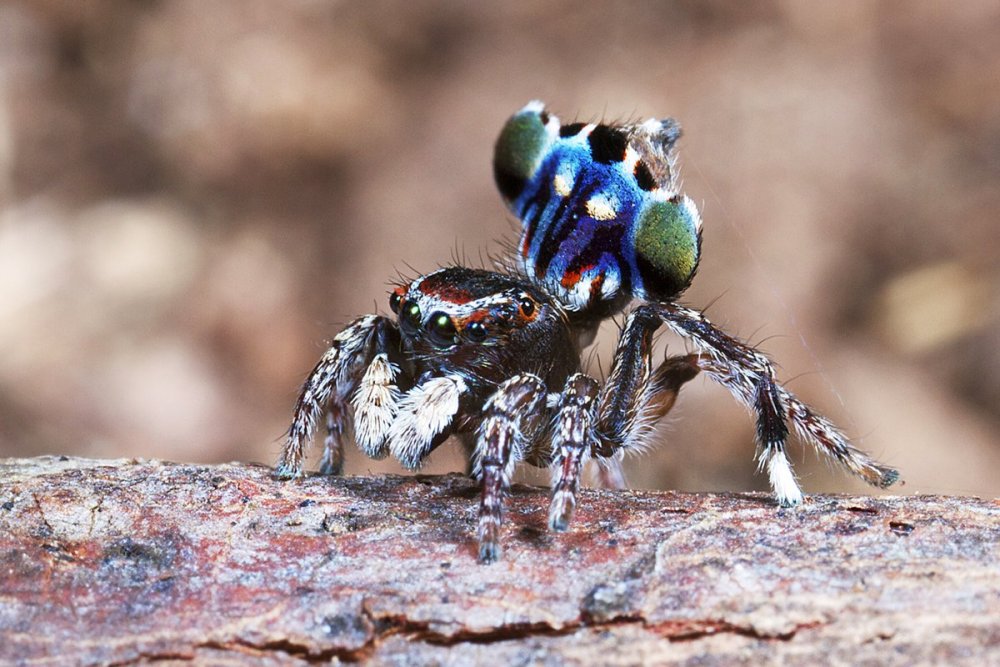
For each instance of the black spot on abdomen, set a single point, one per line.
(643, 176)
(607, 144)
(571, 130)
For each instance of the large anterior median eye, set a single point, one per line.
(442, 330)
(409, 316)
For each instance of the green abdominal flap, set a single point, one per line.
(667, 247)
(520, 145)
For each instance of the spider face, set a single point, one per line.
(495, 358)
(482, 324)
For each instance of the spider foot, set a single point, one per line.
(286, 470)
(332, 462)
(489, 551)
(779, 471)
(561, 510)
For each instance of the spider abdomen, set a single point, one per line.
(603, 220)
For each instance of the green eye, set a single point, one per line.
(442, 330)
(409, 316)
(394, 302)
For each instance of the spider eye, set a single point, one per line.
(527, 307)
(476, 331)
(394, 301)
(409, 317)
(442, 330)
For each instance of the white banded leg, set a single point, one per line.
(572, 439)
(827, 438)
(508, 426)
(336, 374)
(750, 377)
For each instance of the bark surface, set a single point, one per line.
(138, 561)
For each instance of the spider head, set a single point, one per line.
(478, 320)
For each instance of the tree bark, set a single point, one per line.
(139, 561)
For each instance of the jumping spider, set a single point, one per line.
(495, 357)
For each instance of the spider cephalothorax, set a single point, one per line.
(495, 357)
(483, 325)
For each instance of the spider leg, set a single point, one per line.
(749, 376)
(636, 395)
(425, 417)
(571, 441)
(817, 430)
(375, 406)
(330, 383)
(337, 430)
(505, 432)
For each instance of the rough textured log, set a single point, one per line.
(135, 561)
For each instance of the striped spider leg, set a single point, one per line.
(361, 366)
(585, 422)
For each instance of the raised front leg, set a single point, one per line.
(749, 376)
(508, 426)
(330, 385)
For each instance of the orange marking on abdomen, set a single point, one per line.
(571, 278)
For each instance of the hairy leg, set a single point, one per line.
(506, 430)
(424, 418)
(572, 438)
(337, 429)
(750, 377)
(635, 396)
(332, 382)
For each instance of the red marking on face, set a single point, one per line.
(446, 292)
(477, 316)
(484, 316)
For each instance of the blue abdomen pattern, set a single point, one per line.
(602, 217)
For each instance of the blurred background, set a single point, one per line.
(195, 196)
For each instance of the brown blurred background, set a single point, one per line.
(195, 195)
